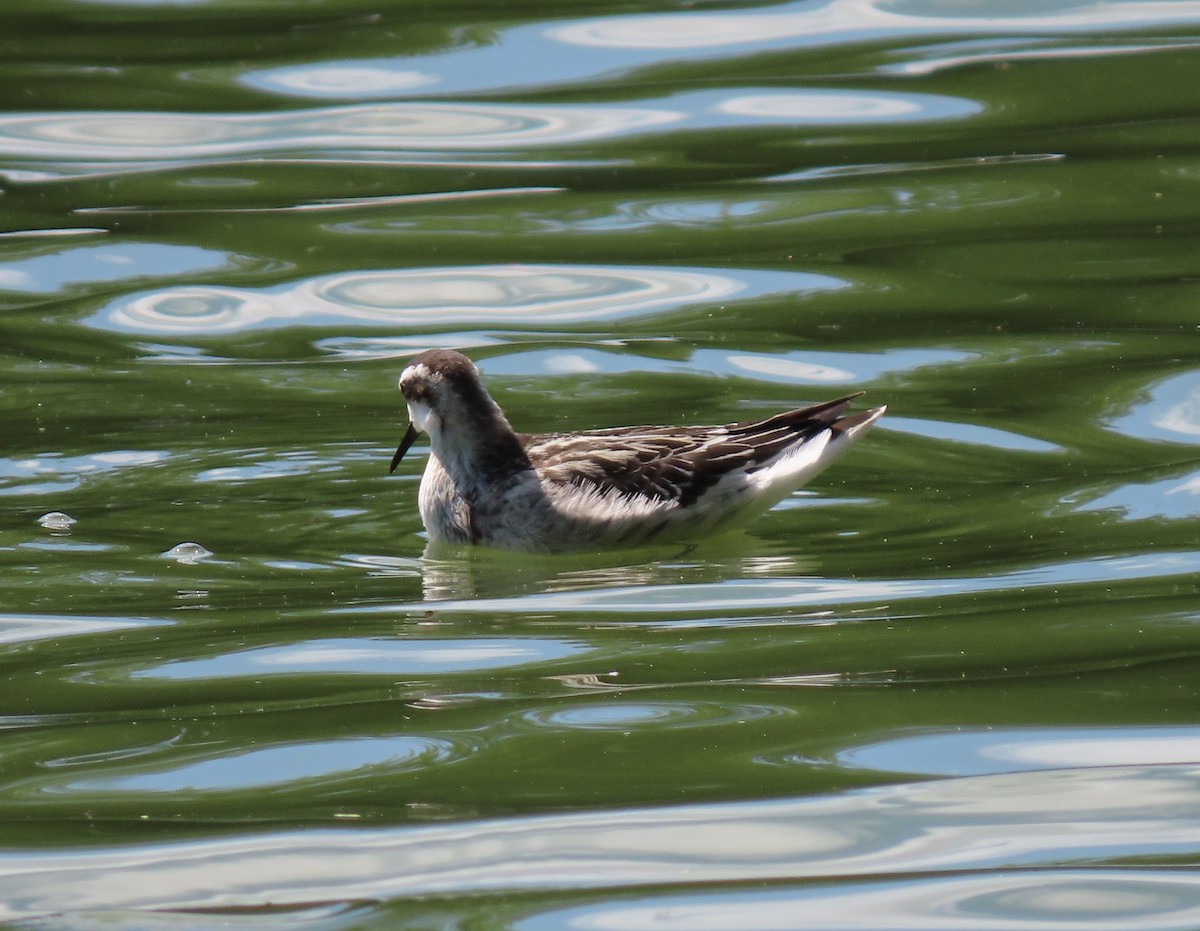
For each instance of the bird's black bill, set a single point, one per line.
(409, 435)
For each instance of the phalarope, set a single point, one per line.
(486, 483)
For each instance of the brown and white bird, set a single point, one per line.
(485, 483)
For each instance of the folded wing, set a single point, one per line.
(679, 464)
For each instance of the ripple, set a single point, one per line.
(750, 594)
(827, 367)
(52, 473)
(357, 348)
(563, 293)
(275, 466)
(346, 656)
(625, 716)
(523, 295)
(66, 546)
(947, 59)
(139, 136)
(938, 836)
(384, 567)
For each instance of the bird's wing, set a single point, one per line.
(674, 464)
(656, 463)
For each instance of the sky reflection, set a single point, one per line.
(51, 272)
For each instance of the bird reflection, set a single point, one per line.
(459, 573)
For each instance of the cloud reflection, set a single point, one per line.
(1170, 499)
(980, 752)
(1054, 900)
(24, 628)
(369, 657)
(839, 107)
(49, 473)
(808, 367)
(971, 830)
(493, 295)
(844, 21)
(379, 78)
(141, 135)
(1172, 413)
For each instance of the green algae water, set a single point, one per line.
(950, 684)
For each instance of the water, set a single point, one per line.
(952, 684)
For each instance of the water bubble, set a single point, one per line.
(56, 520)
(189, 554)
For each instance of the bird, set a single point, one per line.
(485, 483)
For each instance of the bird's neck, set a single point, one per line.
(482, 452)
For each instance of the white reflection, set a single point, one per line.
(791, 369)
(571, 363)
(137, 135)
(839, 21)
(1050, 900)
(356, 348)
(1182, 417)
(811, 367)
(49, 473)
(801, 107)
(841, 107)
(1122, 748)
(1010, 53)
(21, 628)
(362, 79)
(526, 295)
(370, 657)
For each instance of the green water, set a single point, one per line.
(951, 684)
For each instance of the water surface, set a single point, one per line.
(951, 684)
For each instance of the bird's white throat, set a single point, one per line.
(421, 415)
